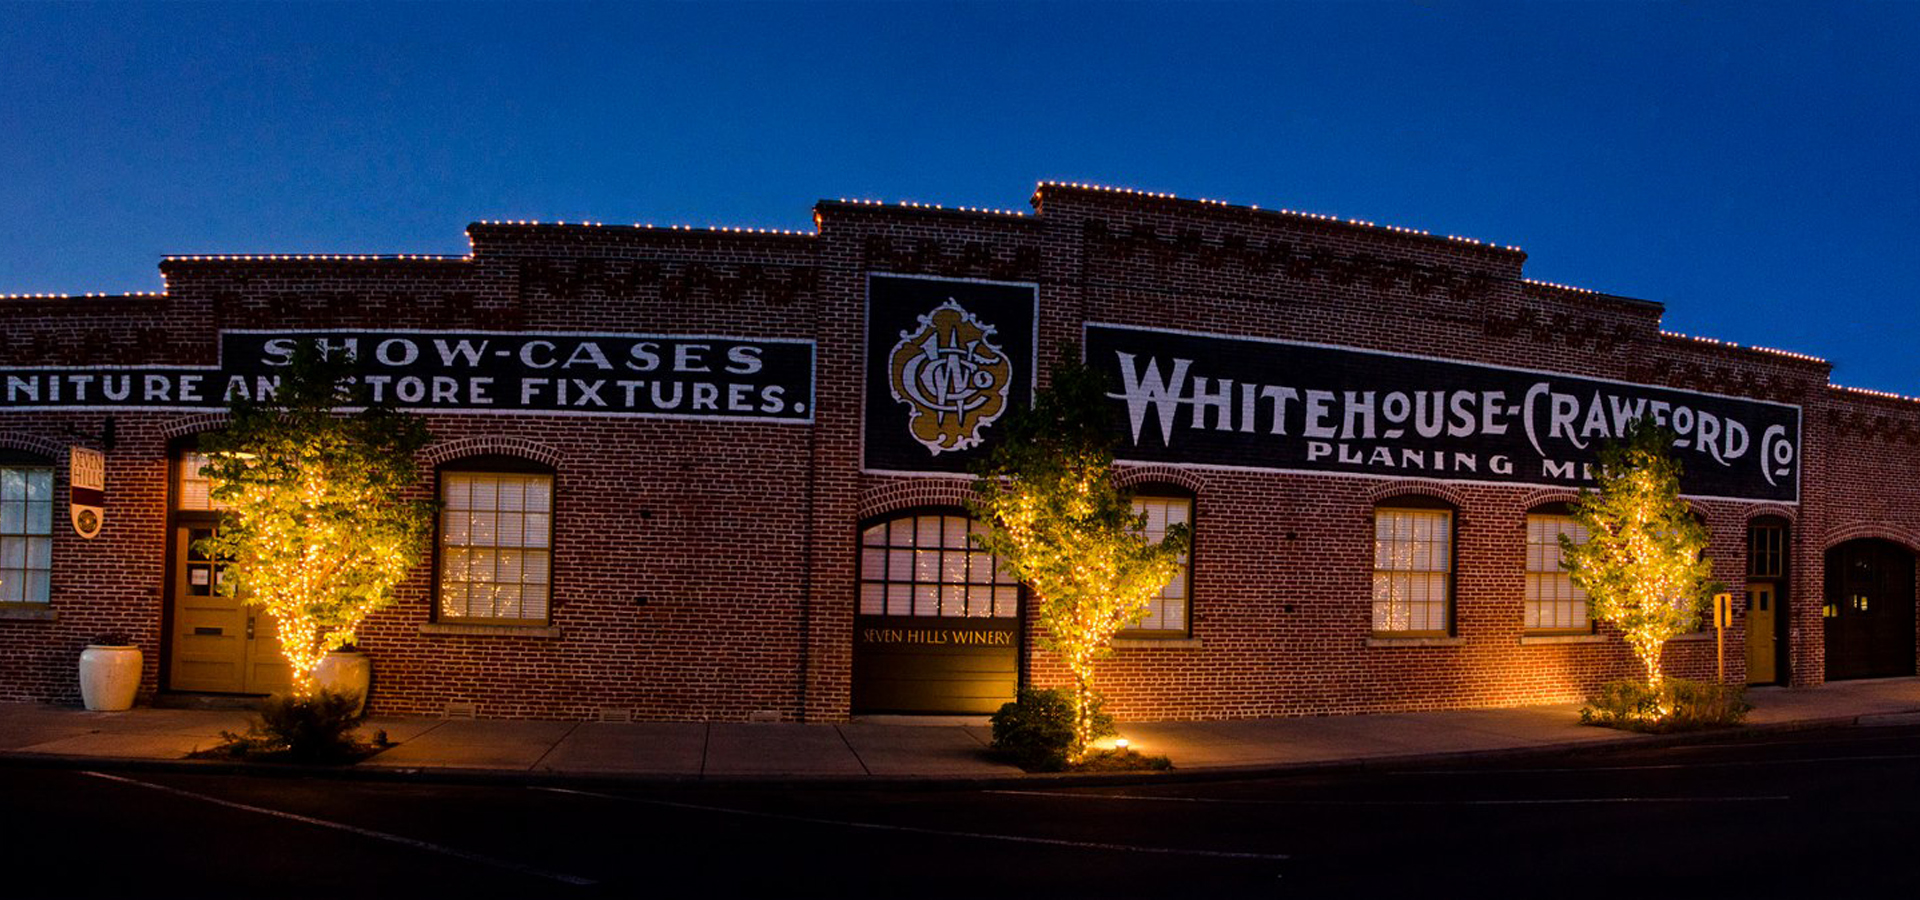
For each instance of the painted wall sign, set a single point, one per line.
(666, 376)
(1215, 400)
(87, 490)
(946, 359)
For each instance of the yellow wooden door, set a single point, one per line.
(1762, 633)
(220, 645)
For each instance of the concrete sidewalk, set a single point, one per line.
(896, 749)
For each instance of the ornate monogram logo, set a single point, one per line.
(953, 376)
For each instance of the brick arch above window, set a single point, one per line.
(1137, 477)
(898, 496)
(1547, 496)
(197, 423)
(449, 451)
(1385, 494)
(53, 450)
(1885, 531)
(1766, 510)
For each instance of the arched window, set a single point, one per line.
(922, 564)
(1554, 603)
(495, 548)
(1168, 611)
(26, 528)
(1413, 567)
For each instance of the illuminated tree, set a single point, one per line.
(1643, 565)
(317, 527)
(1059, 523)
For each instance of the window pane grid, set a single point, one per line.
(1167, 610)
(495, 558)
(1412, 561)
(193, 493)
(926, 566)
(1766, 551)
(26, 534)
(1553, 601)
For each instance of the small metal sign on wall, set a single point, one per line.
(87, 479)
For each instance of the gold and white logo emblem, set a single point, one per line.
(954, 377)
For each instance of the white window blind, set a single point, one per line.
(26, 534)
(1412, 560)
(495, 545)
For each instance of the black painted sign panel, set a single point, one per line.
(946, 359)
(1215, 400)
(664, 376)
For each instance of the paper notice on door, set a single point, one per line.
(198, 577)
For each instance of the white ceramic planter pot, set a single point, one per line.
(346, 672)
(109, 677)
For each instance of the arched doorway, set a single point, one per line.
(1767, 555)
(1869, 610)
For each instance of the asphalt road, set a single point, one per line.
(1809, 814)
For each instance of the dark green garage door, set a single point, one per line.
(938, 627)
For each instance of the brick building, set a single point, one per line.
(716, 473)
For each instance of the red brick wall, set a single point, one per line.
(741, 536)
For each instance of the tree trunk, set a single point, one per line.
(1082, 710)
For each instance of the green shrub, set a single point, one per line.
(301, 729)
(1036, 729)
(1687, 706)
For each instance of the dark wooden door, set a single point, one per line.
(1869, 610)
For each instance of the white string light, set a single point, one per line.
(1731, 345)
(1318, 217)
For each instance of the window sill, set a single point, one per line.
(27, 614)
(468, 629)
(1147, 643)
(1692, 636)
(1397, 642)
(1534, 639)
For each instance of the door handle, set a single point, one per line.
(249, 628)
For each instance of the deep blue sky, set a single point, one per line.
(1755, 167)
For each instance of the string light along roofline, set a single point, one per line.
(88, 295)
(1870, 392)
(927, 207)
(315, 257)
(1716, 342)
(1557, 286)
(1294, 213)
(646, 226)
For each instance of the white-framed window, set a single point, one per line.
(923, 565)
(496, 546)
(1412, 571)
(1554, 602)
(26, 533)
(1167, 612)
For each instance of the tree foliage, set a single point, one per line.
(1059, 523)
(317, 524)
(1643, 565)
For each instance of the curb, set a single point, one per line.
(529, 778)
